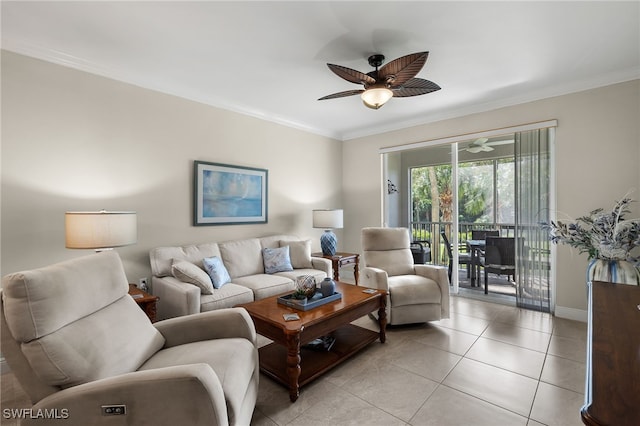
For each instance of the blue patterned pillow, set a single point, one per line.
(216, 270)
(276, 260)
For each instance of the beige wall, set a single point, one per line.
(76, 141)
(597, 152)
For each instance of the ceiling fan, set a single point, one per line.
(395, 79)
(483, 145)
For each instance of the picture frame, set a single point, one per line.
(225, 194)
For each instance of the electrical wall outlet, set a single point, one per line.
(142, 283)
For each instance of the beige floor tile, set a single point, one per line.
(473, 308)
(494, 385)
(338, 408)
(533, 320)
(464, 323)
(554, 406)
(564, 373)
(426, 361)
(448, 339)
(449, 407)
(565, 347)
(392, 389)
(509, 357)
(534, 423)
(524, 337)
(568, 328)
(260, 419)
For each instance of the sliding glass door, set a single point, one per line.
(490, 181)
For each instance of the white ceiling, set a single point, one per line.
(267, 59)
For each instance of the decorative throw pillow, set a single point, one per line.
(299, 252)
(216, 270)
(190, 273)
(276, 260)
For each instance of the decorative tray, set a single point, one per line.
(308, 303)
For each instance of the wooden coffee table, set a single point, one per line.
(286, 362)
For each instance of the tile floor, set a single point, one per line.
(489, 364)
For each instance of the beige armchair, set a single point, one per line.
(417, 293)
(86, 354)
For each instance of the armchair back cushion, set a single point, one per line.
(63, 315)
(388, 249)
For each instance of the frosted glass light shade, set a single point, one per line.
(100, 230)
(327, 219)
(375, 97)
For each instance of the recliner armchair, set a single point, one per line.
(77, 342)
(416, 293)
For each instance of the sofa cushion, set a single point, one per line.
(276, 260)
(228, 296)
(299, 252)
(192, 274)
(216, 270)
(162, 257)
(315, 273)
(264, 285)
(242, 257)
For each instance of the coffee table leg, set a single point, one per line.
(293, 365)
(382, 318)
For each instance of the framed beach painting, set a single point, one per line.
(228, 195)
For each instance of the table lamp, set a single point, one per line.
(102, 230)
(328, 220)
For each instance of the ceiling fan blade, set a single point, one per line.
(342, 94)
(503, 142)
(351, 75)
(479, 142)
(402, 69)
(414, 87)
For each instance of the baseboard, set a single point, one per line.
(571, 313)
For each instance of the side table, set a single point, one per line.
(341, 259)
(146, 301)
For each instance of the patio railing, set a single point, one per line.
(430, 231)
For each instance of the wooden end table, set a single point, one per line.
(341, 259)
(146, 301)
(281, 360)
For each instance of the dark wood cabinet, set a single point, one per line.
(612, 394)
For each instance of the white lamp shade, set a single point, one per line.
(375, 97)
(327, 219)
(100, 230)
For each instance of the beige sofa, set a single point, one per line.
(244, 261)
(78, 343)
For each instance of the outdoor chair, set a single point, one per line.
(415, 293)
(499, 258)
(463, 258)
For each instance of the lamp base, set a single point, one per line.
(328, 243)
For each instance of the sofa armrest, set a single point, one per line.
(187, 394)
(440, 275)
(323, 265)
(375, 278)
(177, 298)
(219, 324)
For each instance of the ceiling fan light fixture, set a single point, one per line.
(375, 97)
